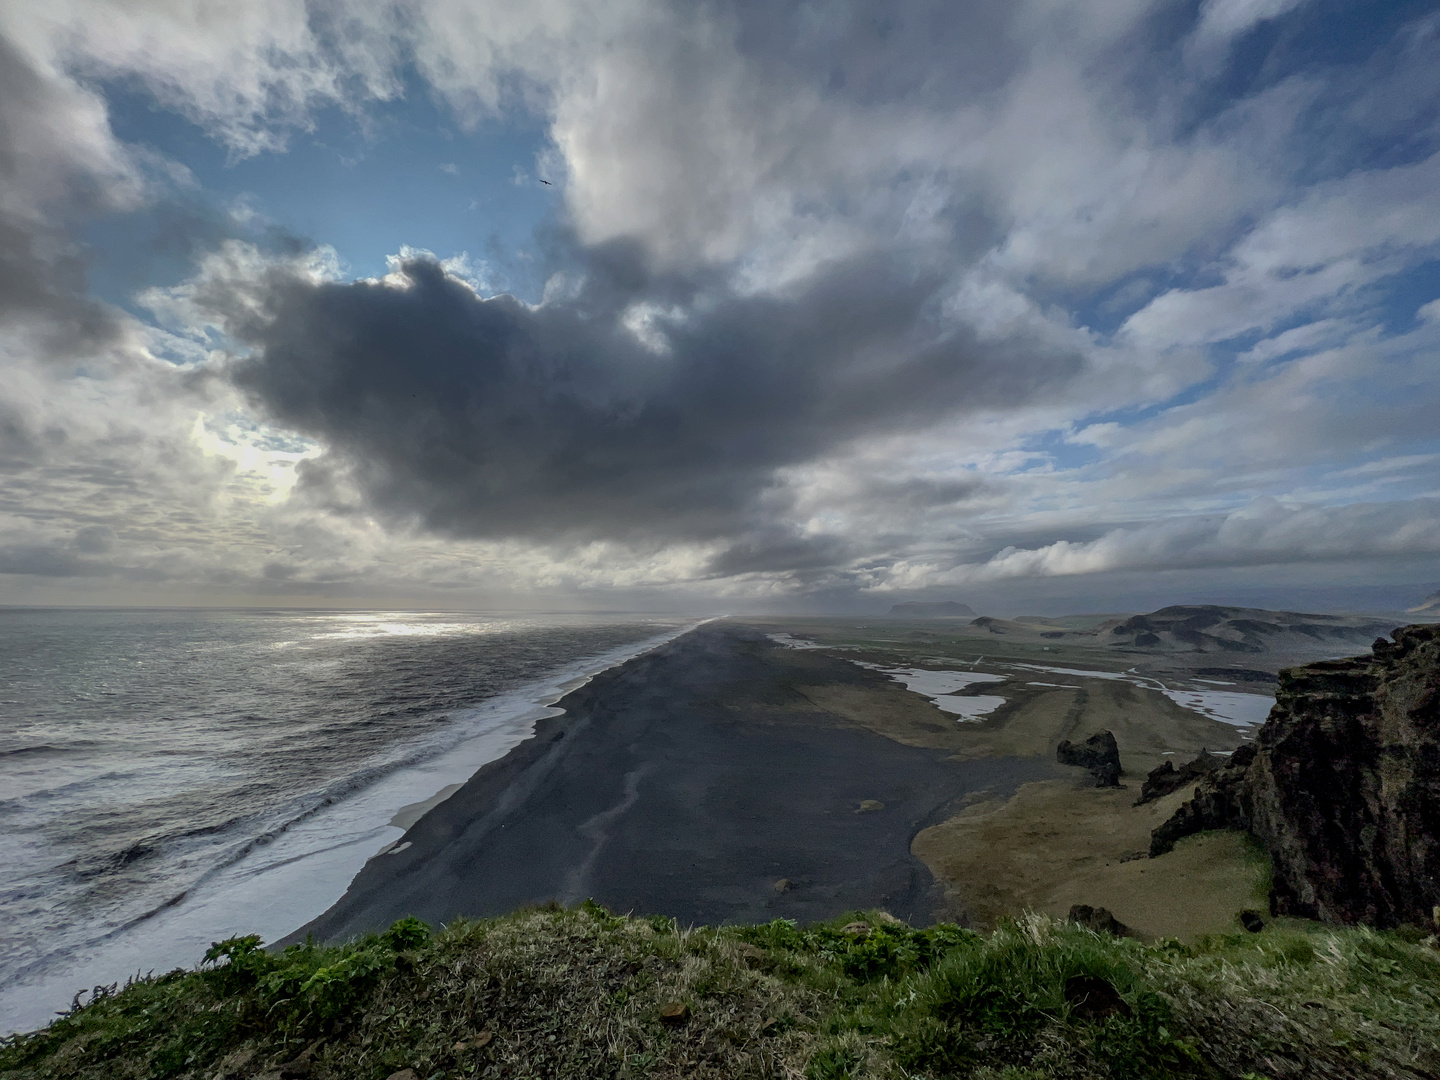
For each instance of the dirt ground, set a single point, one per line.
(1054, 845)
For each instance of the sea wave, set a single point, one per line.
(241, 871)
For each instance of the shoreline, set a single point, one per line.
(686, 782)
(287, 878)
(545, 707)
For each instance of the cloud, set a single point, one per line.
(1342, 235)
(487, 417)
(851, 299)
(1222, 21)
(49, 183)
(250, 73)
(1263, 533)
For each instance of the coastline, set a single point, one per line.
(686, 782)
(286, 878)
(685, 776)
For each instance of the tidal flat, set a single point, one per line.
(759, 769)
(706, 781)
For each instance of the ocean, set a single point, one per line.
(171, 778)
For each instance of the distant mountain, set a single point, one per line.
(1208, 628)
(1429, 606)
(1011, 626)
(942, 609)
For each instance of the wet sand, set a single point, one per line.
(686, 783)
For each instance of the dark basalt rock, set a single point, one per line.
(1216, 805)
(1099, 753)
(1099, 919)
(1165, 778)
(1240, 674)
(1342, 786)
(1093, 998)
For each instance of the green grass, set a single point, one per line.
(579, 993)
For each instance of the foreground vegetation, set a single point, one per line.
(582, 993)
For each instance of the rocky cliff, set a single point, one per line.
(1342, 786)
(1099, 753)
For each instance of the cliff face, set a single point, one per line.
(1342, 787)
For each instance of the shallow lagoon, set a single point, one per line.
(940, 688)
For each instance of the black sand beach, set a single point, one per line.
(684, 783)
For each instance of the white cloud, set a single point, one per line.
(1311, 336)
(1263, 533)
(1318, 251)
(249, 72)
(1223, 20)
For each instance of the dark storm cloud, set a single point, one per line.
(799, 557)
(917, 494)
(43, 561)
(810, 558)
(489, 418)
(45, 289)
(19, 443)
(42, 271)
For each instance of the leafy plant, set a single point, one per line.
(408, 933)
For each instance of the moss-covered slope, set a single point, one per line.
(585, 994)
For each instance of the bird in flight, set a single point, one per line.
(546, 182)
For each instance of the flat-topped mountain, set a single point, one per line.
(1210, 628)
(942, 609)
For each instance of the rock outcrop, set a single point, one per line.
(1165, 777)
(1099, 753)
(1342, 786)
(1099, 919)
(1220, 802)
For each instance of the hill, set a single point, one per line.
(1429, 606)
(1184, 634)
(584, 993)
(1209, 628)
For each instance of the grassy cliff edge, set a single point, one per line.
(583, 993)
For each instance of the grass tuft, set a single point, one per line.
(584, 993)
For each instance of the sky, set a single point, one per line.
(720, 306)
